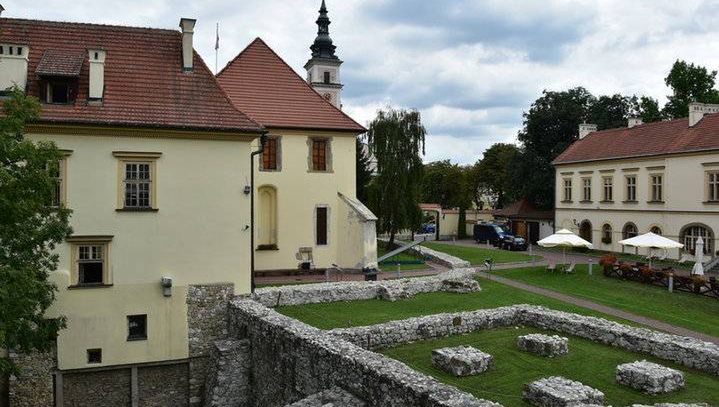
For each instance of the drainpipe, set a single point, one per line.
(263, 140)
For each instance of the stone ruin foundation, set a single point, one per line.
(334, 397)
(650, 377)
(461, 360)
(544, 345)
(557, 391)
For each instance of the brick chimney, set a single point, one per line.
(585, 129)
(634, 121)
(97, 74)
(698, 110)
(188, 28)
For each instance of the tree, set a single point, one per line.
(363, 171)
(396, 139)
(493, 173)
(646, 108)
(689, 83)
(609, 112)
(29, 231)
(446, 184)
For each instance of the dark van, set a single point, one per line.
(498, 237)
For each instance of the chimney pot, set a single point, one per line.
(585, 129)
(97, 74)
(188, 28)
(634, 121)
(698, 110)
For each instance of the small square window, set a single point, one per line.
(94, 356)
(136, 327)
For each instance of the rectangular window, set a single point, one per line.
(56, 171)
(568, 189)
(327, 77)
(608, 189)
(657, 187)
(136, 327)
(94, 356)
(631, 188)
(138, 180)
(58, 92)
(270, 153)
(321, 225)
(319, 154)
(91, 264)
(587, 189)
(713, 186)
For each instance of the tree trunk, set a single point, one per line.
(390, 244)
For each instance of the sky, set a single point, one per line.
(472, 68)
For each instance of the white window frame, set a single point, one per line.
(567, 190)
(712, 183)
(656, 189)
(631, 188)
(586, 189)
(608, 189)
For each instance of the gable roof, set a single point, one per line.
(667, 137)
(145, 85)
(523, 209)
(262, 85)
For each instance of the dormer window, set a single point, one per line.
(59, 92)
(59, 71)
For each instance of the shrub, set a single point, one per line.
(608, 260)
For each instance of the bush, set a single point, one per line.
(608, 260)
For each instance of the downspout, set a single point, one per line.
(263, 140)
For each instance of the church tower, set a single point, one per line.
(323, 69)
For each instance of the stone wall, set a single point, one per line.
(33, 387)
(454, 280)
(207, 323)
(163, 385)
(101, 388)
(291, 360)
(228, 380)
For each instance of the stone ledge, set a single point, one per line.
(462, 360)
(650, 377)
(544, 345)
(334, 397)
(557, 391)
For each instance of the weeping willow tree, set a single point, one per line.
(396, 139)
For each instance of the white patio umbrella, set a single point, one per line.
(564, 238)
(651, 241)
(698, 268)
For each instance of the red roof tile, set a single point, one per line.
(523, 209)
(60, 63)
(144, 82)
(667, 137)
(262, 85)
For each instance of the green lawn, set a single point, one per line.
(477, 255)
(688, 310)
(402, 257)
(513, 368)
(629, 257)
(369, 312)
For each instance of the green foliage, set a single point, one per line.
(29, 231)
(494, 174)
(396, 139)
(363, 172)
(689, 83)
(446, 184)
(646, 108)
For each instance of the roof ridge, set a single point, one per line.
(261, 41)
(58, 22)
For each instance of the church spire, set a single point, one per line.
(323, 47)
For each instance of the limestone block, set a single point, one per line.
(544, 345)
(558, 391)
(333, 397)
(650, 377)
(461, 360)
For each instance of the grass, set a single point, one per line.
(624, 257)
(369, 312)
(687, 310)
(477, 255)
(513, 368)
(406, 261)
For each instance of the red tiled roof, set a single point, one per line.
(668, 137)
(60, 63)
(144, 82)
(262, 85)
(523, 209)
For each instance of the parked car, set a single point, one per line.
(498, 236)
(428, 228)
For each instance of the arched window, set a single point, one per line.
(607, 233)
(585, 230)
(656, 230)
(629, 230)
(267, 218)
(691, 233)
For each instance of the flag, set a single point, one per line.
(217, 37)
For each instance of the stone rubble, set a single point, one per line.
(544, 345)
(557, 391)
(334, 397)
(461, 360)
(650, 377)
(228, 381)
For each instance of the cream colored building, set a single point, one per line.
(661, 177)
(307, 213)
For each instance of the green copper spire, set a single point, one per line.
(322, 47)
